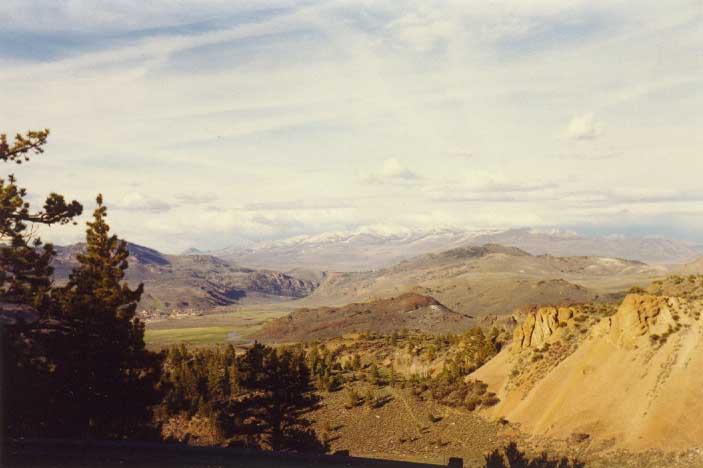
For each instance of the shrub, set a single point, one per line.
(370, 398)
(579, 437)
(353, 398)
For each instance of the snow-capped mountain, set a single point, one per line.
(375, 247)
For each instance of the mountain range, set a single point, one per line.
(489, 279)
(473, 280)
(474, 285)
(194, 282)
(367, 249)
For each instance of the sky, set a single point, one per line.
(208, 123)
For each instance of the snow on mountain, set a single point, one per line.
(374, 247)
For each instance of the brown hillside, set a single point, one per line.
(410, 310)
(490, 279)
(195, 282)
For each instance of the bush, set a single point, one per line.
(454, 391)
(353, 398)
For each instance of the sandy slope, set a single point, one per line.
(624, 385)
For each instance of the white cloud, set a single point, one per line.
(392, 171)
(112, 16)
(584, 127)
(420, 31)
(298, 205)
(281, 114)
(139, 202)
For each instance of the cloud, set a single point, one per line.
(493, 192)
(421, 31)
(196, 198)
(392, 171)
(584, 127)
(275, 105)
(478, 198)
(636, 196)
(128, 15)
(138, 202)
(298, 205)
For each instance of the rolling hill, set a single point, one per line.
(407, 311)
(488, 279)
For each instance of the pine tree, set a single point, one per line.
(112, 376)
(278, 395)
(25, 263)
(25, 278)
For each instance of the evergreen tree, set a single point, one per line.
(25, 278)
(278, 395)
(111, 376)
(25, 264)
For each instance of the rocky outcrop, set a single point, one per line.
(655, 317)
(540, 326)
(633, 380)
(277, 284)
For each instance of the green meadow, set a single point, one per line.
(208, 330)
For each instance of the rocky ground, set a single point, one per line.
(405, 428)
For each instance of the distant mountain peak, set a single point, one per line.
(378, 246)
(555, 232)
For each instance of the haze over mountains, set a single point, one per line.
(489, 279)
(473, 280)
(367, 248)
(477, 283)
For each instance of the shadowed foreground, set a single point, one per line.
(70, 453)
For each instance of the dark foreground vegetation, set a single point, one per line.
(75, 367)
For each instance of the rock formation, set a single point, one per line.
(632, 381)
(540, 325)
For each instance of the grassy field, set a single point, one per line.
(193, 336)
(208, 330)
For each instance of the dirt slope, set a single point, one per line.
(632, 380)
